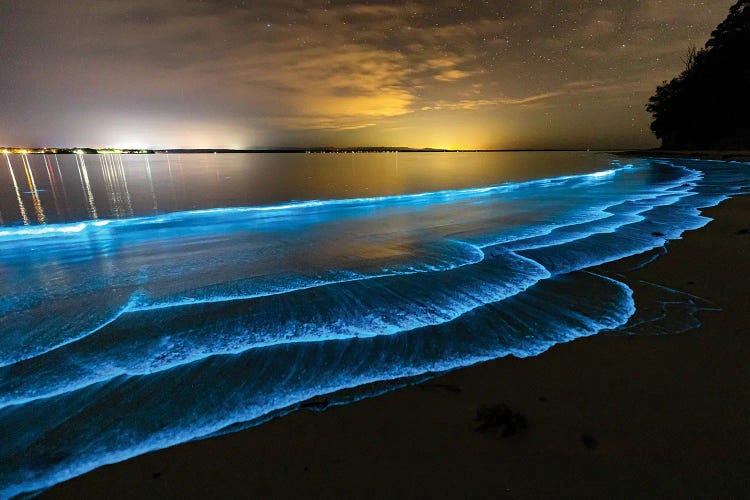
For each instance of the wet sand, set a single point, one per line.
(611, 416)
(726, 155)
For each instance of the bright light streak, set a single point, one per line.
(21, 207)
(38, 208)
(84, 176)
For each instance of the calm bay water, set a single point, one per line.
(150, 300)
(66, 188)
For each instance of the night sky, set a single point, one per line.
(254, 73)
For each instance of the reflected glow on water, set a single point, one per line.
(21, 207)
(83, 175)
(135, 185)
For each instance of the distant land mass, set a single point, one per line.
(365, 149)
(71, 151)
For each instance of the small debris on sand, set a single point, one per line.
(589, 441)
(501, 417)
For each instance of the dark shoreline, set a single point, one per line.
(739, 155)
(608, 416)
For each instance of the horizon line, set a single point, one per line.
(287, 149)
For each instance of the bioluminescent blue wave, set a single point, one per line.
(122, 336)
(222, 254)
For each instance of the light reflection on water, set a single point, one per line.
(21, 206)
(67, 188)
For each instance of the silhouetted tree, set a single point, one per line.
(708, 104)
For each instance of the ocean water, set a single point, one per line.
(146, 301)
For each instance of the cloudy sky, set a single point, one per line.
(253, 73)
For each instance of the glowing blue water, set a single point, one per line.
(124, 336)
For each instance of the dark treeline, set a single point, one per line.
(707, 106)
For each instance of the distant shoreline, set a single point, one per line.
(364, 150)
(372, 149)
(724, 155)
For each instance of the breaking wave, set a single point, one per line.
(237, 313)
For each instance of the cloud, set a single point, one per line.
(452, 74)
(472, 104)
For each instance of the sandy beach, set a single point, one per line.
(613, 416)
(729, 155)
